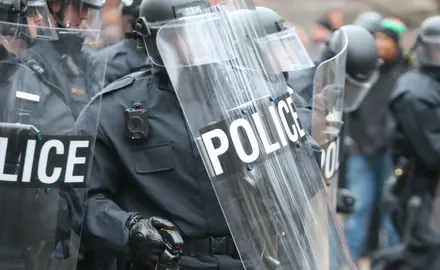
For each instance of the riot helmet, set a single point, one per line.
(427, 45)
(155, 14)
(362, 66)
(369, 20)
(282, 41)
(78, 16)
(25, 20)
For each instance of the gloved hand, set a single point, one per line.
(320, 111)
(145, 241)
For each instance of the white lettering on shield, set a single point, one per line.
(50, 161)
(285, 120)
(330, 159)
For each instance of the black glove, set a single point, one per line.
(145, 241)
(346, 202)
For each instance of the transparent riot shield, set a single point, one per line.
(328, 105)
(254, 148)
(44, 164)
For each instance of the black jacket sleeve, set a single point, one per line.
(105, 222)
(420, 120)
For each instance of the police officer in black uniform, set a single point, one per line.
(150, 172)
(361, 67)
(66, 57)
(33, 220)
(415, 107)
(128, 55)
(274, 23)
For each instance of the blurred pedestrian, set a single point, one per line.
(113, 26)
(369, 164)
(323, 28)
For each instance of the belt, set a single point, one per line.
(210, 246)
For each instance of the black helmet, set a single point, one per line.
(427, 45)
(153, 14)
(369, 20)
(16, 14)
(270, 20)
(362, 55)
(362, 64)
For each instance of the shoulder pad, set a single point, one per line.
(125, 81)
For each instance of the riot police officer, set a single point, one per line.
(362, 66)
(128, 55)
(150, 172)
(36, 221)
(415, 109)
(130, 203)
(77, 23)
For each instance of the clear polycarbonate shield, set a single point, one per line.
(44, 162)
(254, 149)
(328, 100)
(288, 50)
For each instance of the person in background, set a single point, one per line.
(113, 26)
(126, 56)
(369, 164)
(130, 12)
(323, 28)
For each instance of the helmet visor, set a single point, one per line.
(287, 49)
(33, 22)
(191, 41)
(86, 17)
(428, 52)
(355, 91)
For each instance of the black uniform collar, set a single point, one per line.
(161, 78)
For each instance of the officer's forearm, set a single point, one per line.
(106, 225)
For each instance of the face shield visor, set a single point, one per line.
(33, 22)
(179, 39)
(84, 18)
(286, 49)
(356, 90)
(428, 51)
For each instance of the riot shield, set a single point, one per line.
(328, 106)
(44, 163)
(253, 146)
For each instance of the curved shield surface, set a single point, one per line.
(44, 163)
(328, 106)
(253, 146)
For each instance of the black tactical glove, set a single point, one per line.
(145, 241)
(346, 202)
